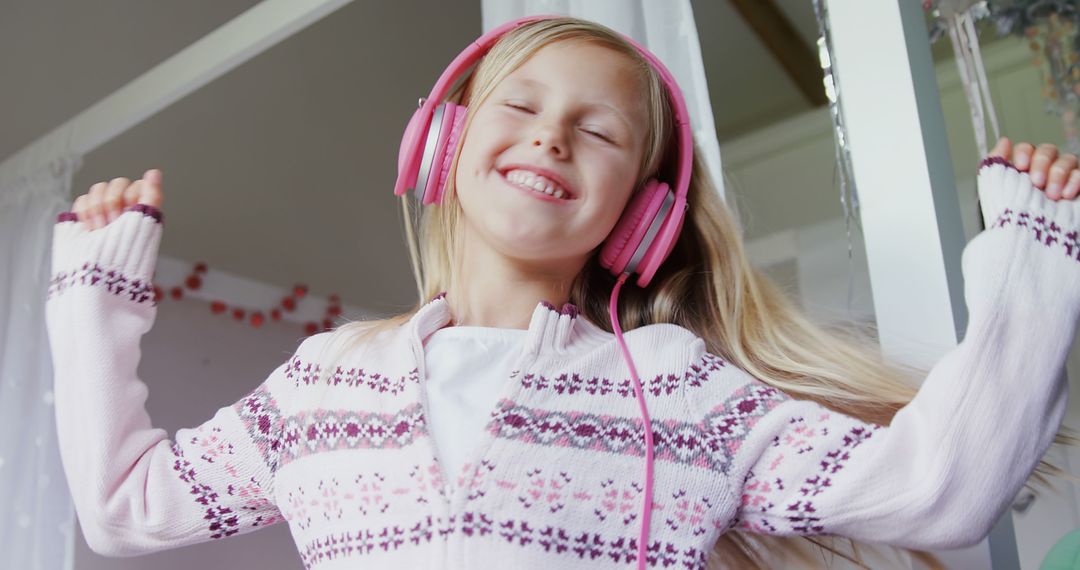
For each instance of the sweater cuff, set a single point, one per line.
(1009, 200)
(119, 257)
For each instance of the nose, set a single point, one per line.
(551, 138)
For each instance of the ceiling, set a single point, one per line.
(281, 170)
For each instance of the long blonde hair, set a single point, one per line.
(707, 285)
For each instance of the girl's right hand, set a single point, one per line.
(107, 200)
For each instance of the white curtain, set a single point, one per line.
(37, 520)
(665, 27)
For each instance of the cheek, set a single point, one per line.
(477, 147)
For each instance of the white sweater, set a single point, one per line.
(555, 478)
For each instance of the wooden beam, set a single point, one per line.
(776, 32)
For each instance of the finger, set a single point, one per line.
(151, 194)
(112, 201)
(1040, 163)
(1059, 172)
(131, 193)
(1002, 149)
(93, 205)
(1072, 187)
(112, 192)
(79, 206)
(1022, 156)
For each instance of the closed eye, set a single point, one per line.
(519, 107)
(599, 135)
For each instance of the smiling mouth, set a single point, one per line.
(534, 183)
(535, 192)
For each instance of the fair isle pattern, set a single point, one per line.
(261, 417)
(307, 373)
(329, 430)
(551, 539)
(573, 384)
(1044, 231)
(701, 371)
(223, 522)
(111, 280)
(610, 500)
(761, 494)
(730, 423)
(678, 442)
(369, 492)
(662, 384)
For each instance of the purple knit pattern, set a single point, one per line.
(573, 384)
(699, 373)
(584, 545)
(1043, 230)
(145, 209)
(319, 431)
(261, 417)
(221, 520)
(728, 425)
(112, 280)
(677, 442)
(801, 514)
(307, 373)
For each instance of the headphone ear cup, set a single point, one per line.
(457, 122)
(647, 231)
(632, 226)
(408, 152)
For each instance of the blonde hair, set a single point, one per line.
(707, 285)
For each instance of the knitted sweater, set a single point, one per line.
(555, 480)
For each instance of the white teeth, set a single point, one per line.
(536, 183)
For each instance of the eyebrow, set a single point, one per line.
(594, 104)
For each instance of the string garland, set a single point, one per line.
(254, 317)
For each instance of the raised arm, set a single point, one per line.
(134, 490)
(953, 459)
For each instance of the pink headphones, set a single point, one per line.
(643, 236)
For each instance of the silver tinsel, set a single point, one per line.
(842, 169)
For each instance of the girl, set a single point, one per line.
(500, 422)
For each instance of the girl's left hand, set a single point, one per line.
(1056, 175)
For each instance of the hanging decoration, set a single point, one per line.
(255, 318)
(1049, 26)
(957, 19)
(846, 178)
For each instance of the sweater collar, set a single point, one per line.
(551, 329)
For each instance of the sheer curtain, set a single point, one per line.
(665, 27)
(36, 515)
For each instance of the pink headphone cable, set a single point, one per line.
(646, 509)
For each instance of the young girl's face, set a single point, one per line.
(571, 119)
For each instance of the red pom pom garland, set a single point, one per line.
(256, 318)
